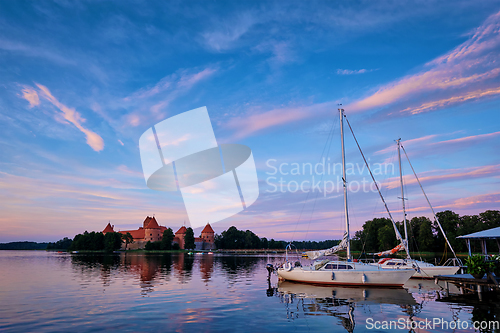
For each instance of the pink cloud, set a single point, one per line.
(465, 73)
(406, 143)
(447, 175)
(477, 199)
(439, 104)
(73, 117)
(247, 125)
(31, 96)
(471, 138)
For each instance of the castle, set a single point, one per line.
(151, 231)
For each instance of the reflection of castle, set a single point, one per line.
(152, 231)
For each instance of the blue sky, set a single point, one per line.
(81, 81)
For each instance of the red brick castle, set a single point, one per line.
(152, 231)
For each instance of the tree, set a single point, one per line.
(112, 241)
(189, 239)
(62, 244)
(387, 238)
(425, 236)
(450, 222)
(128, 239)
(166, 241)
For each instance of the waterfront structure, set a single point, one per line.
(151, 231)
(483, 236)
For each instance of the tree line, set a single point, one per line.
(233, 238)
(97, 241)
(62, 244)
(423, 234)
(23, 246)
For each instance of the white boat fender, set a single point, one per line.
(363, 278)
(287, 266)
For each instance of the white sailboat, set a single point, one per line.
(424, 269)
(346, 273)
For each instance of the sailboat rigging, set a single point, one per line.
(344, 272)
(425, 270)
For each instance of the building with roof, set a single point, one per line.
(151, 231)
(483, 236)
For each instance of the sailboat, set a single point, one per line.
(346, 273)
(424, 269)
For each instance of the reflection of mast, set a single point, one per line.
(349, 322)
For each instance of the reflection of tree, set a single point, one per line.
(239, 265)
(183, 266)
(485, 311)
(146, 267)
(92, 264)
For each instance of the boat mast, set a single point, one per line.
(396, 231)
(402, 194)
(432, 209)
(344, 181)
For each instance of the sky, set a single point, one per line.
(81, 81)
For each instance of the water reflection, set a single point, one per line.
(149, 269)
(236, 265)
(206, 267)
(47, 292)
(183, 267)
(340, 302)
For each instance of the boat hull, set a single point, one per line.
(356, 277)
(424, 271)
(431, 272)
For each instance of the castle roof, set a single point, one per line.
(208, 229)
(152, 224)
(108, 228)
(136, 234)
(182, 230)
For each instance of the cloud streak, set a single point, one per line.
(70, 115)
(249, 124)
(466, 73)
(163, 93)
(226, 34)
(353, 72)
(447, 175)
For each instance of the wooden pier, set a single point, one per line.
(250, 251)
(468, 284)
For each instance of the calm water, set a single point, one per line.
(59, 292)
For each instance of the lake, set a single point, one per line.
(60, 292)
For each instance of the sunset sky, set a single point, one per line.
(81, 81)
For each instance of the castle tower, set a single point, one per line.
(179, 236)
(146, 222)
(109, 228)
(152, 231)
(208, 237)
